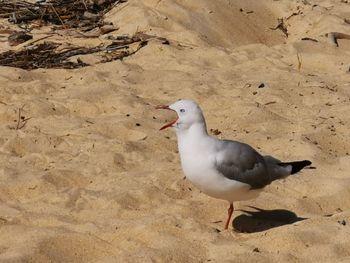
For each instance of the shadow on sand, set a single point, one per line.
(261, 220)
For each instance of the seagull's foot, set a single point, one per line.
(229, 212)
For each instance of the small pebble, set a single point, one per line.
(342, 222)
(217, 230)
(215, 131)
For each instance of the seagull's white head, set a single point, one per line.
(188, 113)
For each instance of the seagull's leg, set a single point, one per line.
(229, 212)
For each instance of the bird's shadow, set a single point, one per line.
(261, 220)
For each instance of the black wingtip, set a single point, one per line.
(297, 166)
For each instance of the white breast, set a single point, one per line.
(198, 164)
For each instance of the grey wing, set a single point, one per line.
(240, 162)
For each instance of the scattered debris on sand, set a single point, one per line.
(73, 18)
(84, 15)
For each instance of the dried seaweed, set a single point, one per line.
(49, 55)
(39, 56)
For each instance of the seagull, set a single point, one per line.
(223, 169)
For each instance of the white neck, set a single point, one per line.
(192, 137)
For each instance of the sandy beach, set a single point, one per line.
(90, 178)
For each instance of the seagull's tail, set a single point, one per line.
(296, 166)
(279, 170)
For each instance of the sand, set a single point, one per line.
(89, 178)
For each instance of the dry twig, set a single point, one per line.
(21, 121)
(281, 26)
(299, 61)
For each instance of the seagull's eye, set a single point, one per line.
(182, 110)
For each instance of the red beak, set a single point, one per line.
(170, 124)
(163, 107)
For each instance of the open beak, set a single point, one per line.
(170, 124)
